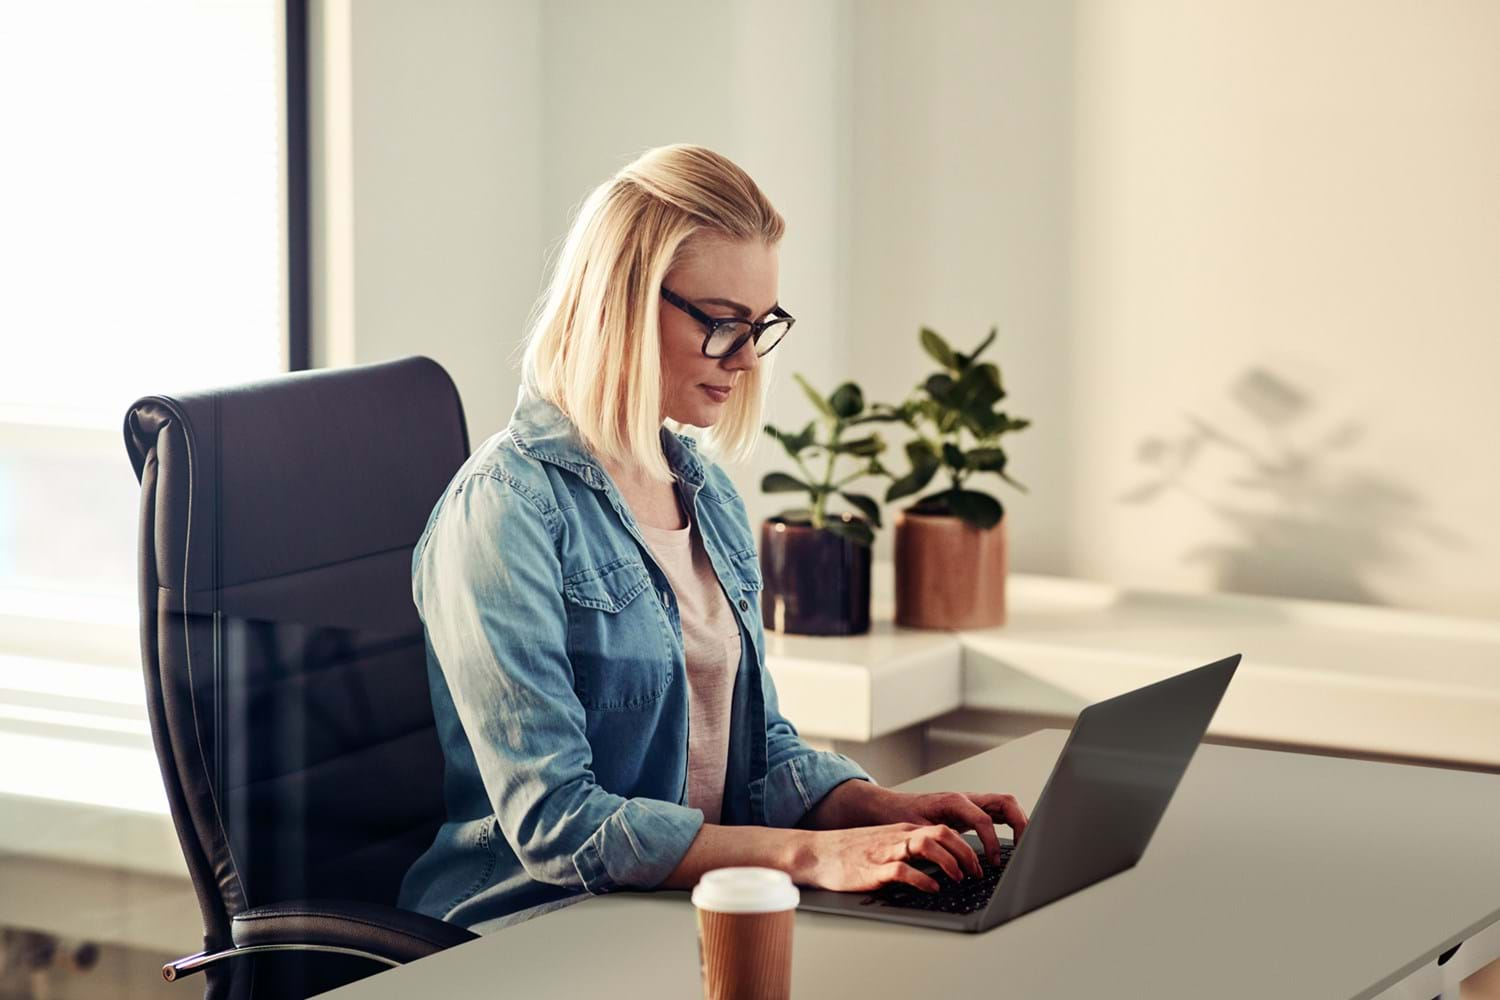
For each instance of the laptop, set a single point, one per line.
(1095, 816)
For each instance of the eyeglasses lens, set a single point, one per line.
(727, 336)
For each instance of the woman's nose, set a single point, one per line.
(745, 359)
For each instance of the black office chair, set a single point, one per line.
(286, 680)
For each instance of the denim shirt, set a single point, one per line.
(559, 685)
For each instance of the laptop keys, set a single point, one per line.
(967, 896)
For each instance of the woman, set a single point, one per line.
(589, 588)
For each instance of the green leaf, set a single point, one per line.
(938, 348)
(863, 447)
(979, 387)
(952, 455)
(1019, 486)
(986, 459)
(911, 483)
(780, 482)
(805, 436)
(977, 509)
(793, 443)
(935, 503)
(984, 343)
(856, 531)
(874, 418)
(983, 423)
(817, 400)
(847, 400)
(940, 388)
(866, 504)
(921, 456)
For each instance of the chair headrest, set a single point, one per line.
(303, 472)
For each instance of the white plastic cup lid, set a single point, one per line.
(745, 890)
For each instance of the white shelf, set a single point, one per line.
(1318, 674)
(863, 687)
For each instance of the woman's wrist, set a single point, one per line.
(715, 846)
(798, 853)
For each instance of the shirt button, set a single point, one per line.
(744, 604)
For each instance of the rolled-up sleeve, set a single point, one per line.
(488, 584)
(797, 776)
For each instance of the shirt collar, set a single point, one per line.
(544, 432)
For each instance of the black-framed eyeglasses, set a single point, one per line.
(726, 336)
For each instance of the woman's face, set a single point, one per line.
(727, 280)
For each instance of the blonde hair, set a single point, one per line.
(593, 346)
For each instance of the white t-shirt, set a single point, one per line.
(711, 640)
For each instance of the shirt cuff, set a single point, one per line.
(640, 844)
(795, 786)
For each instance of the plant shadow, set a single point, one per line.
(1307, 519)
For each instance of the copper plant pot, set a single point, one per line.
(816, 582)
(948, 574)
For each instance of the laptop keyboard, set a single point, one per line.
(969, 896)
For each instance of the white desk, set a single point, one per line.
(1271, 874)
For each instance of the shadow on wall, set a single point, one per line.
(1308, 522)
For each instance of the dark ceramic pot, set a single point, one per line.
(816, 582)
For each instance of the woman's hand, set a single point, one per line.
(866, 857)
(977, 811)
(863, 803)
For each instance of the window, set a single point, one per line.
(142, 250)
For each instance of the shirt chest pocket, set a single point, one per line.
(618, 642)
(747, 576)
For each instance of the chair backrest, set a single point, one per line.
(285, 671)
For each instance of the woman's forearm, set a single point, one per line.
(851, 803)
(731, 846)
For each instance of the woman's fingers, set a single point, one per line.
(964, 814)
(946, 848)
(960, 849)
(1003, 807)
(899, 871)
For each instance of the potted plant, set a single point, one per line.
(950, 544)
(816, 562)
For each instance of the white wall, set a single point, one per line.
(961, 179)
(431, 147)
(1256, 238)
(1286, 227)
(454, 141)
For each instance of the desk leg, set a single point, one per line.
(1479, 954)
(1424, 984)
(1442, 982)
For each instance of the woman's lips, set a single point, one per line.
(717, 395)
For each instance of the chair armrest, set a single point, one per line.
(397, 935)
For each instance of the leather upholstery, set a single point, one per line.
(285, 668)
(398, 934)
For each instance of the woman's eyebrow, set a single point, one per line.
(743, 310)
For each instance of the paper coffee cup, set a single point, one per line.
(745, 920)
